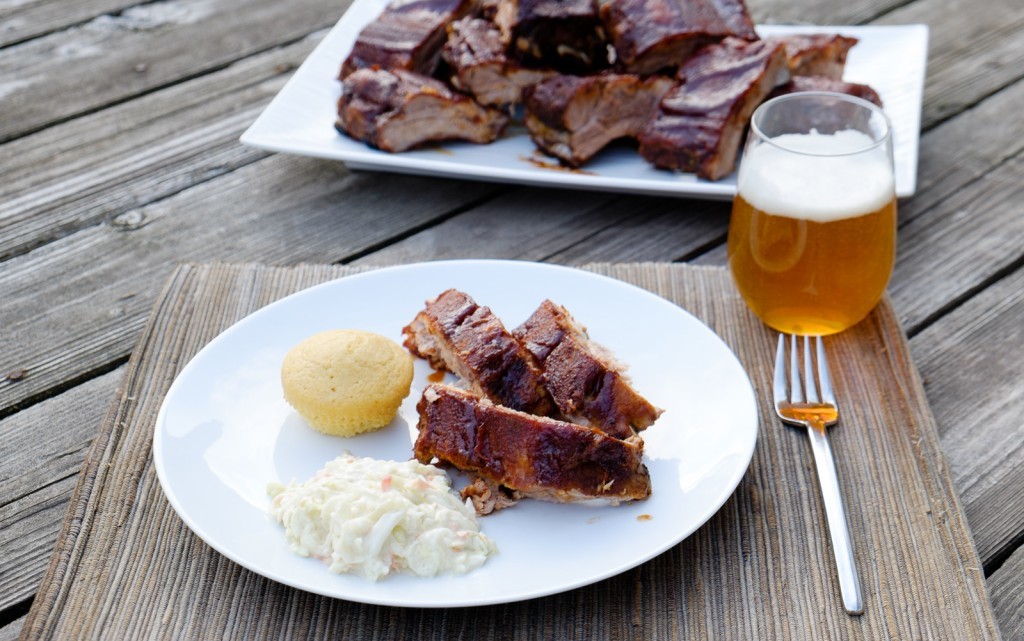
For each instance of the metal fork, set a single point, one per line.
(813, 405)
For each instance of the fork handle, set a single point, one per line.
(849, 583)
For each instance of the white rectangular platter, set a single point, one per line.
(300, 120)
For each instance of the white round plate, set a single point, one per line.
(224, 432)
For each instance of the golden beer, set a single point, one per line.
(812, 239)
(807, 277)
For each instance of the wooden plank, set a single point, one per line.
(1006, 589)
(30, 526)
(66, 313)
(566, 227)
(12, 630)
(114, 58)
(651, 230)
(972, 366)
(823, 13)
(965, 148)
(96, 168)
(533, 224)
(972, 53)
(962, 243)
(42, 448)
(25, 19)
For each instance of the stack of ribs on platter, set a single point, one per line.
(540, 411)
(680, 77)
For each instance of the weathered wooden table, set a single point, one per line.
(119, 159)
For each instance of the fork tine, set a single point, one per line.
(809, 382)
(780, 370)
(796, 390)
(827, 395)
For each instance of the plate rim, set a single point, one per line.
(734, 480)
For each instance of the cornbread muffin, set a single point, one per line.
(345, 382)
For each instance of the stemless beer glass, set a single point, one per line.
(812, 237)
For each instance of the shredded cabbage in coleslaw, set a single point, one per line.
(372, 517)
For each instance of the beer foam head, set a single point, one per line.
(827, 180)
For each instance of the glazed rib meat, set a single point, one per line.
(408, 35)
(840, 115)
(818, 83)
(456, 334)
(818, 54)
(513, 454)
(476, 55)
(398, 110)
(565, 35)
(588, 386)
(573, 117)
(650, 35)
(701, 122)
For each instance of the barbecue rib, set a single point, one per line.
(839, 115)
(573, 117)
(565, 35)
(398, 110)
(456, 334)
(407, 35)
(818, 54)
(588, 387)
(701, 122)
(515, 455)
(476, 55)
(649, 35)
(818, 83)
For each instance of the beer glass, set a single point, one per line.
(812, 238)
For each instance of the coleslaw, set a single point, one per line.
(372, 517)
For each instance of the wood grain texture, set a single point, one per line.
(675, 230)
(546, 225)
(1006, 589)
(12, 630)
(800, 12)
(761, 568)
(113, 58)
(971, 53)
(91, 170)
(963, 242)
(975, 348)
(529, 224)
(42, 449)
(30, 526)
(26, 19)
(566, 227)
(963, 149)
